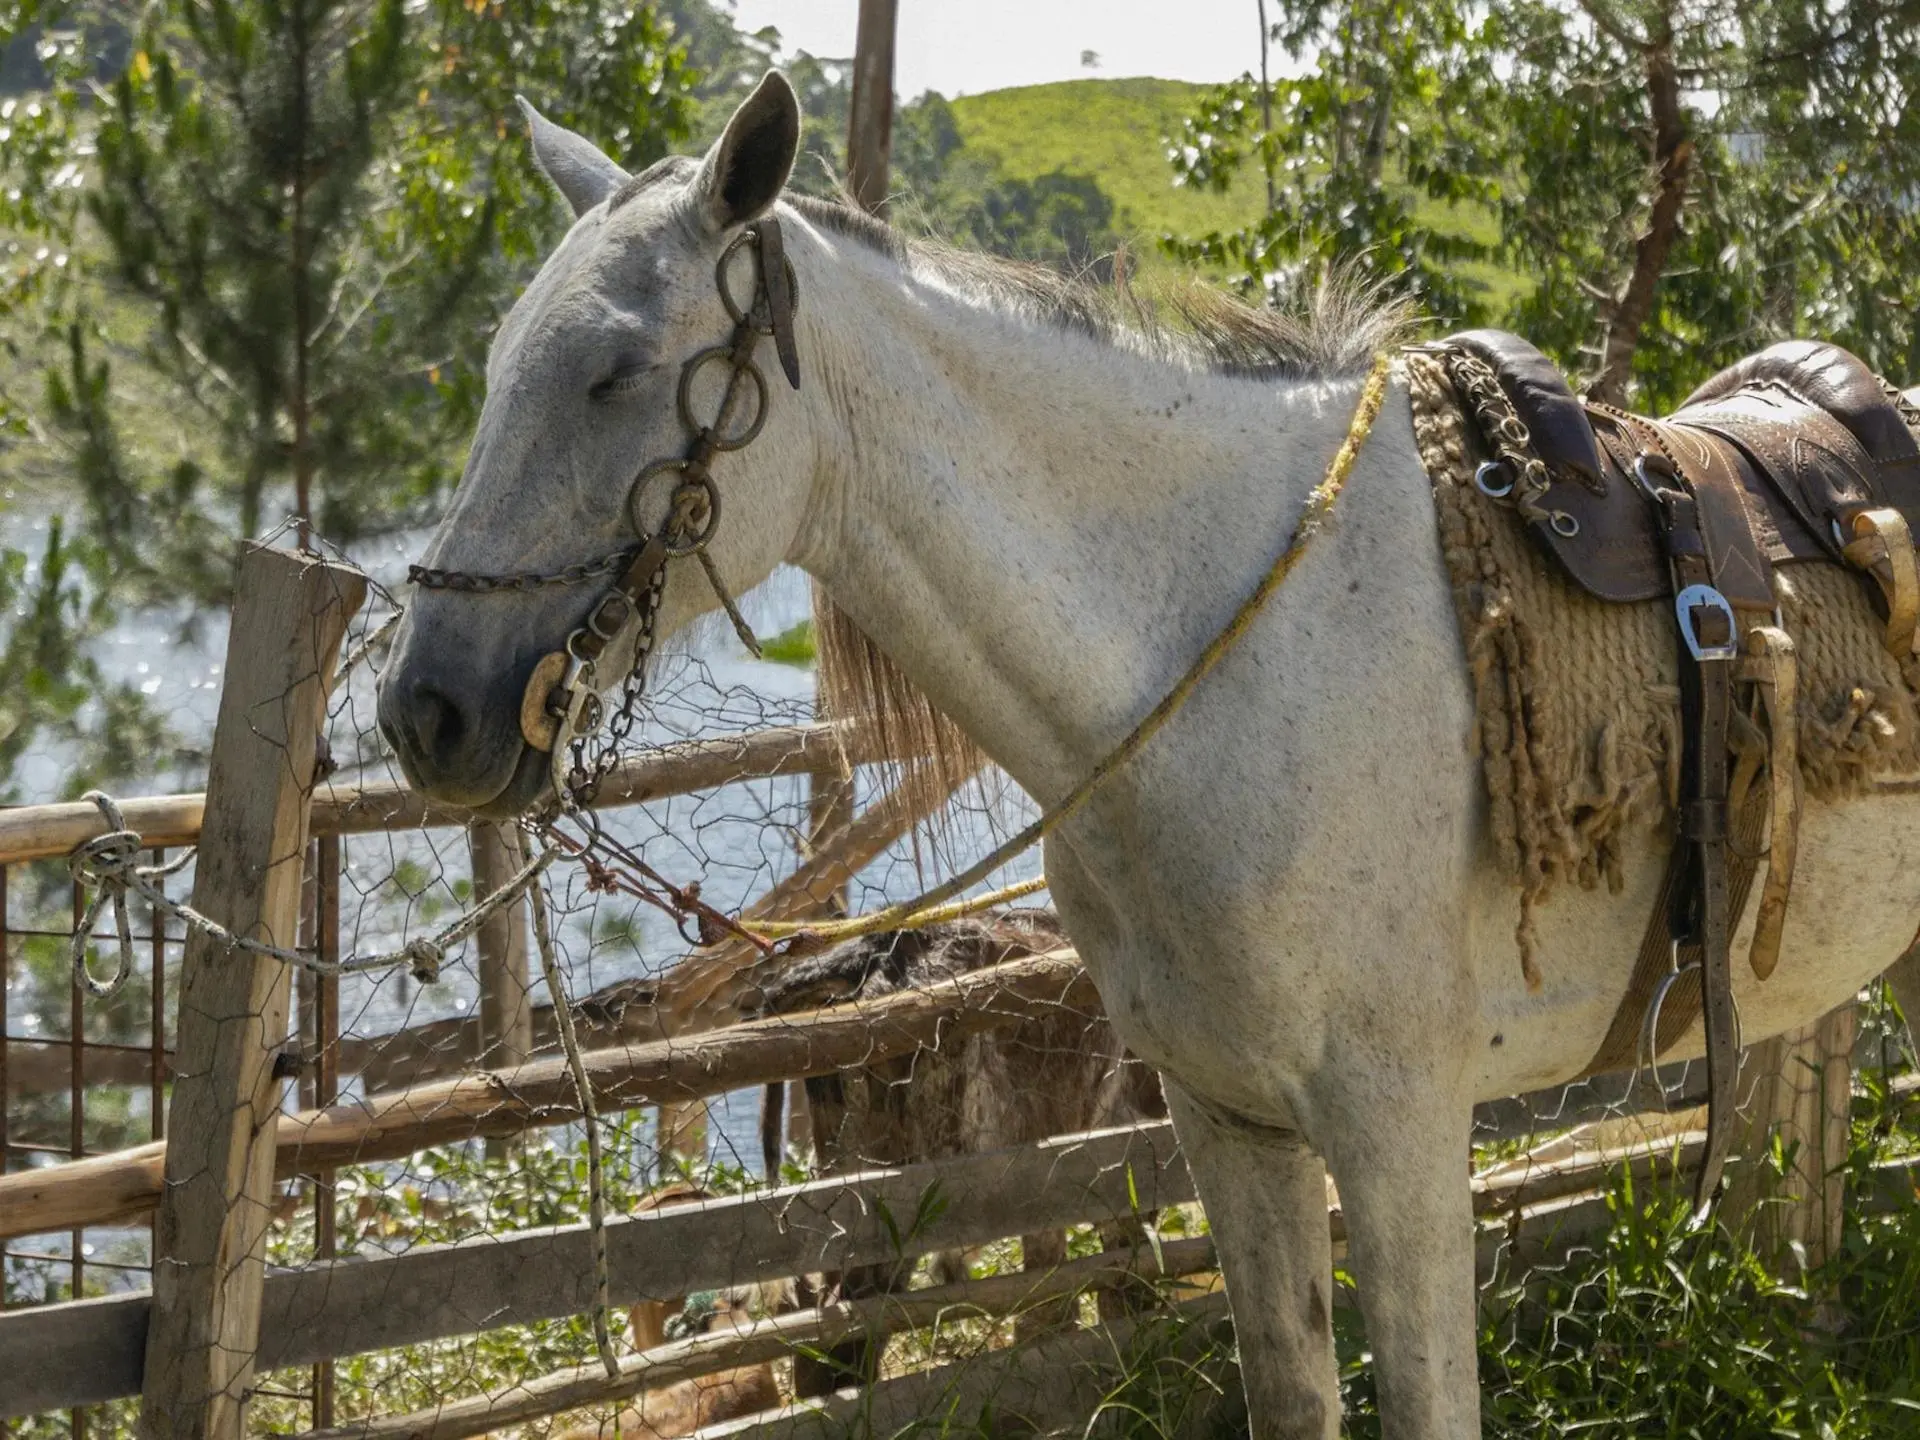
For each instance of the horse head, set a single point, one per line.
(589, 446)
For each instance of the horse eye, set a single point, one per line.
(623, 380)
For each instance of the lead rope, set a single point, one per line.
(589, 1118)
(932, 905)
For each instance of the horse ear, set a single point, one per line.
(573, 163)
(749, 164)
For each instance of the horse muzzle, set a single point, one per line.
(456, 730)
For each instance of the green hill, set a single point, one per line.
(1113, 130)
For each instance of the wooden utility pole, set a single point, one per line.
(869, 161)
(290, 612)
(870, 114)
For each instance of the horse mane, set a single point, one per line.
(1334, 329)
(1338, 329)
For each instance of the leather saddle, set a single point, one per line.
(1797, 454)
(1808, 432)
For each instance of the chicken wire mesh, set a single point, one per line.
(88, 1077)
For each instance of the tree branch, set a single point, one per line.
(1610, 26)
(1673, 159)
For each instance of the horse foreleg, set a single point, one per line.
(1402, 1171)
(1265, 1193)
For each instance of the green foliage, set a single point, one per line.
(253, 252)
(1502, 162)
(1058, 217)
(1396, 93)
(316, 210)
(41, 183)
(48, 613)
(792, 646)
(1800, 215)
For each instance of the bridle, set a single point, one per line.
(561, 708)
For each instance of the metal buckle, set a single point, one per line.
(1693, 598)
(1493, 467)
(1654, 492)
(598, 620)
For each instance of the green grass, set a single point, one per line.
(1114, 131)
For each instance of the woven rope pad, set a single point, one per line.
(1577, 701)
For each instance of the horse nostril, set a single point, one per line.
(425, 726)
(438, 724)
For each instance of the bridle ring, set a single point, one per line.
(735, 311)
(715, 436)
(690, 479)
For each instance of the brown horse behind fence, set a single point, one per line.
(1058, 1074)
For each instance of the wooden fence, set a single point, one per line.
(216, 1319)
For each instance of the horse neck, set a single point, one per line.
(1040, 528)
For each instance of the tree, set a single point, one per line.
(1694, 182)
(321, 208)
(1373, 145)
(254, 252)
(1670, 185)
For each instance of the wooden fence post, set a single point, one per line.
(1799, 1087)
(290, 612)
(506, 997)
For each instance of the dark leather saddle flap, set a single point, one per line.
(1551, 412)
(1796, 437)
(1605, 539)
(1814, 464)
(1830, 379)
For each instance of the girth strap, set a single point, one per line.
(1705, 547)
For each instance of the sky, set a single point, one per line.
(962, 47)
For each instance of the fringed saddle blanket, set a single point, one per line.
(1577, 701)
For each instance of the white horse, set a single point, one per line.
(1041, 515)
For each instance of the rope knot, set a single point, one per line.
(107, 864)
(106, 860)
(424, 958)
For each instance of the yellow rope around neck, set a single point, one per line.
(938, 904)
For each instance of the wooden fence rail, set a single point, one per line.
(126, 1184)
(87, 1351)
(775, 1338)
(45, 832)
